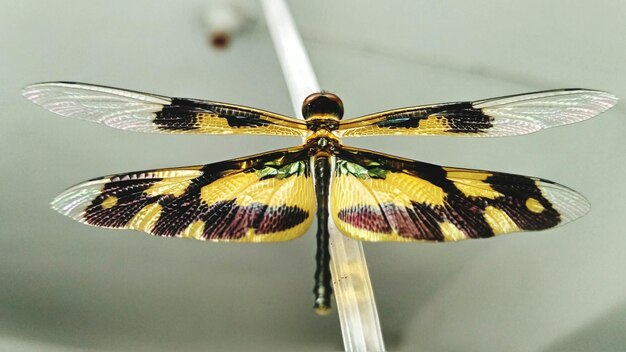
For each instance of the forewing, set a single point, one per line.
(504, 116)
(263, 198)
(135, 111)
(376, 197)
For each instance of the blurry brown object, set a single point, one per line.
(225, 20)
(219, 39)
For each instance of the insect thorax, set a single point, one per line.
(323, 142)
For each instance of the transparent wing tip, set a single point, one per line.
(527, 113)
(34, 92)
(570, 204)
(601, 100)
(57, 91)
(57, 97)
(583, 105)
(40, 89)
(74, 201)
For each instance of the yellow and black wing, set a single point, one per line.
(504, 116)
(142, 112)
(262, 198)
(377, 197)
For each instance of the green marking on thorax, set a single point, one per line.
(372, 170)
(272, 170)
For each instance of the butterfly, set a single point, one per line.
(273, 196)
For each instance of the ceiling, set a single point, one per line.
(65, 286)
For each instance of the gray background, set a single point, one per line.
(64, 286)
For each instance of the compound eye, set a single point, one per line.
(322, 104)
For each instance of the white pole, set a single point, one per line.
(351, 283)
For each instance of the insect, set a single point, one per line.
(274, 196)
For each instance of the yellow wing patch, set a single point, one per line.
(377, 209)
(499, 221)
(284, 202)
(534, 205)
(194, 230)
(212, 123)
(146, 218)
(472, 184)
(451, 232)
(174, 186)
(109, 202)
(434, 122)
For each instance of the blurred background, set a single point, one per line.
(65, 286)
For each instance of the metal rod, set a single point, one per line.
(351, 283)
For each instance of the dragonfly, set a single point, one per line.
(274, 196)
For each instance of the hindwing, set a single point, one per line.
(263, 198)
(377, 197)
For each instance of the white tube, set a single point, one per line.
(351, 283)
